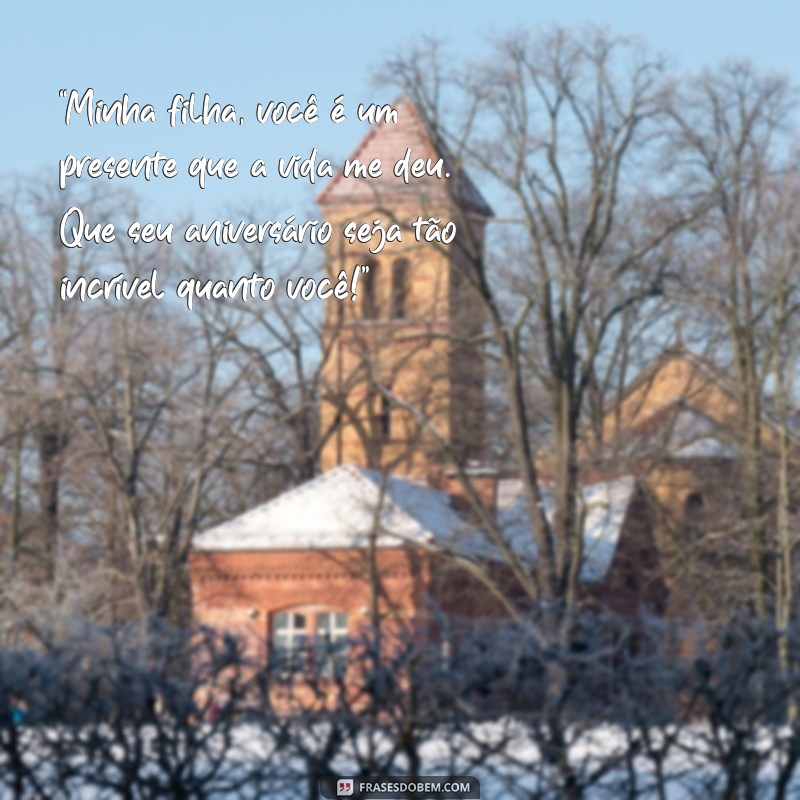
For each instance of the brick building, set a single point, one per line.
(382, 532)
(677, 426)
(413, 328)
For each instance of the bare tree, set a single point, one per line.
(568, 127)
(733, 129)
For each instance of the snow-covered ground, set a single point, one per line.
(602, 762)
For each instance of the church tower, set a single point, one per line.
(403, 376)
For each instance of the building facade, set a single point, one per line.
(383, 536)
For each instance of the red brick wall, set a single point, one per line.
(239, 591)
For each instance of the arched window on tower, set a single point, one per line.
(399, 287)
(380, 411)
(693, 515)
(367, 290)
(386, 418)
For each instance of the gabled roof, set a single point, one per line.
(388, 142)
(604, 506)
(684, 406)
(676, 432)
(695, 435)
(702, 373)
(339, 510)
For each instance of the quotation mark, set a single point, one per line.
(344, 787)
(62, 92)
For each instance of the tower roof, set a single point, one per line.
(389, 142)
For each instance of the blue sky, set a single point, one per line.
(244, 53)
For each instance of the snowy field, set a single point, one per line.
(246, 761)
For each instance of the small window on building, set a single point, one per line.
(379, 415)
(694, 503)
(294, 651)
(399, 287)
(693, 515)
(386, 418)
(330, 647)
(368, 292)
(290, 641)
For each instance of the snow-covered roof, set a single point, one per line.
(339, 510)
(707, 447)
(604, 506)
(695, 435)
(682, 432)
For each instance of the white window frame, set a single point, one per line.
(310, 635)
(331, 637)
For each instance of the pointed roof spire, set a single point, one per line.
(389, 142)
